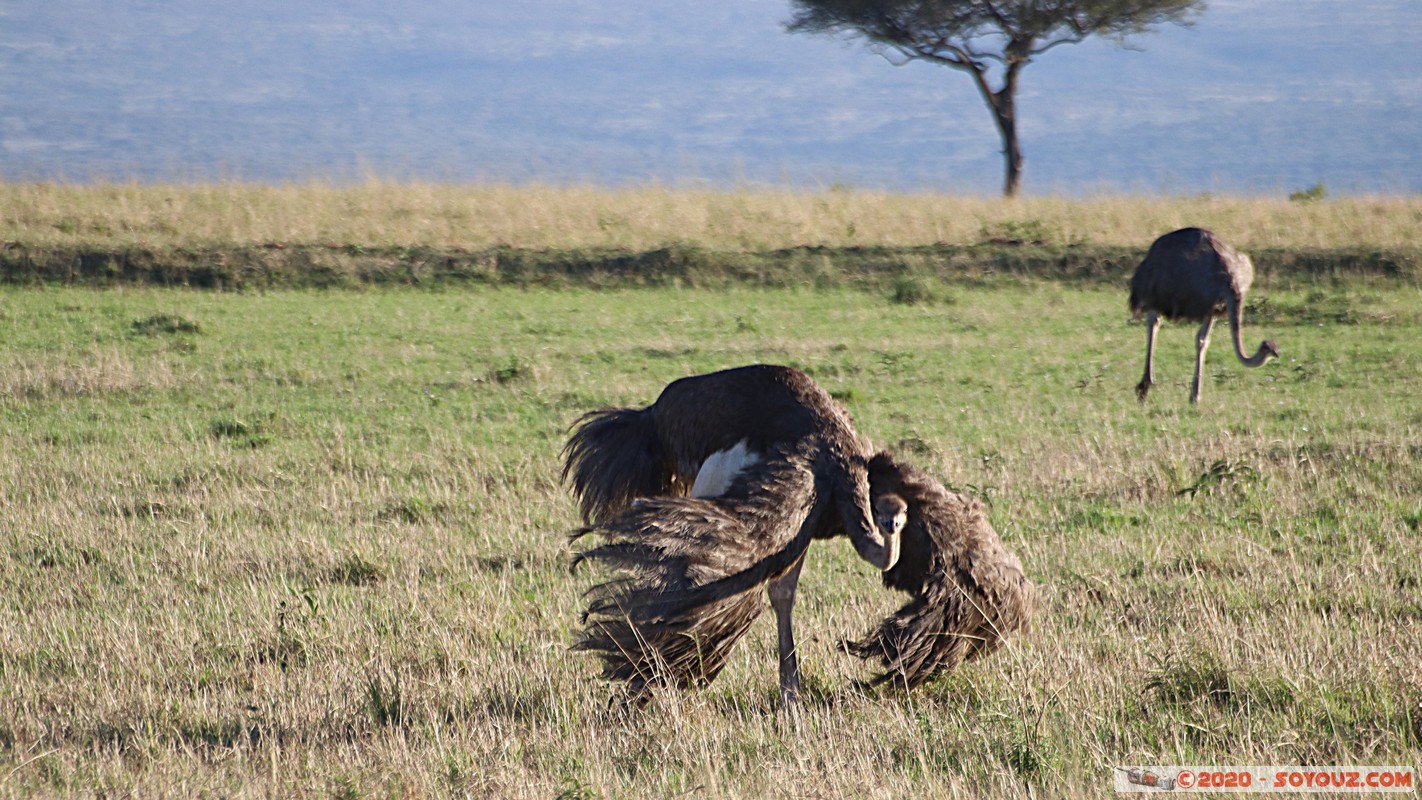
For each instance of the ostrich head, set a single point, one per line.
(890, 517)
(1267, 352)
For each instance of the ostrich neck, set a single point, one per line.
(1236, 330)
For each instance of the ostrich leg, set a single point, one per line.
(1152, 327)
(782, 600)
(1202, 343)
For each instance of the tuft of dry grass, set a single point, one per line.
(100, 372)
(392, 214)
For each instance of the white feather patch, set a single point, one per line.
(722, 467)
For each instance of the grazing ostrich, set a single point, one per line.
(1191, 275)
(768, 421)
(690, 569)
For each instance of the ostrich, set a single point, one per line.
(771, 422)
(1190, 274)
(690, 568)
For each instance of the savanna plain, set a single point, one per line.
(303, 542)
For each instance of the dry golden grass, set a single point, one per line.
(383, 214)
(96, 373)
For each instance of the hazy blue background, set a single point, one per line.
(1262, 97)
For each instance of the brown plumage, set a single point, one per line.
(616, 455)
(771, 422)
(688, 570)
(969, 593)
(1190, 275)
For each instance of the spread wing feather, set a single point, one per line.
(969, 592)
(687, 573)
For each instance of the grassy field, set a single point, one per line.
(313, 543)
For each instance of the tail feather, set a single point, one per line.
(613, 457)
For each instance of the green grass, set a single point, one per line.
(313, 543)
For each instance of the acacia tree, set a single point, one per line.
(991, 40)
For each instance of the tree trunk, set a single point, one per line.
(1004, 109)
(1003, 104)
(1012, 155)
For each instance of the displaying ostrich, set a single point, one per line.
(699, 435)
(718, 423)
(1190, 275)
(690, 569)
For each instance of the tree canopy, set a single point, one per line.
(992, 40)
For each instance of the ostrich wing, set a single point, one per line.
(768, 408)
(969, 593)
(688, 572)
(616, 455)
